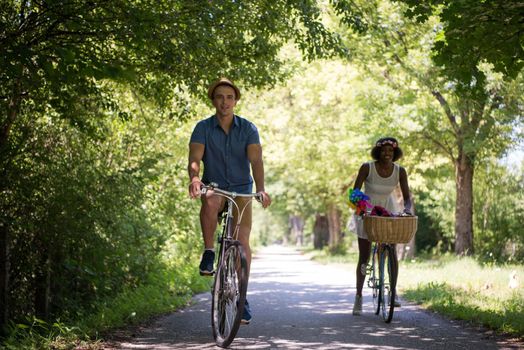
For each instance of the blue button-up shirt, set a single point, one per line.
(225, 155)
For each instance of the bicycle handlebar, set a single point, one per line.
(400, 214)
(214, 187)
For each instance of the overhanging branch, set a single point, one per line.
(447, 149)
(445, 105)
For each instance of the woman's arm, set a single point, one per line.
(403, 179)
(362, 175)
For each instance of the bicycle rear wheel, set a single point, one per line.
(388, 273)
(229, 294)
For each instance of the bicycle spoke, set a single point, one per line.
(226, 320)
(223, 318)
(388, 265)
(376, 282)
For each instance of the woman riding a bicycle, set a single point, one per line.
(380, 178)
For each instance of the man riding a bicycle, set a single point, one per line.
(229, 147)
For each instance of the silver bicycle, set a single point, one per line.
(231, 276)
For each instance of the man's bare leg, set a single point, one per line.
(211, 206)
(243, 236)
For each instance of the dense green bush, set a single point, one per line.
(92, 215)
(499, 213)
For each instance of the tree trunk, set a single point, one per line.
(4, 276)
(285, 237)
(464, 205)
(334, 226)
(320, 231)
(12, 112)
(42, 283)
(296, 224)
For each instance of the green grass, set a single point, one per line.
(464, 289)
(459, 288)
(165, 291)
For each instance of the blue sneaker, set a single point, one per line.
(246, 315)
(207, 262)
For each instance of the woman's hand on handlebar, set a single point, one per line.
(406, 212)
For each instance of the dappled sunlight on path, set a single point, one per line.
(300, 304)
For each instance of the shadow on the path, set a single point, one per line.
(298, 304)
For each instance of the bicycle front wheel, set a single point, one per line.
(388, 282)
(229, 294)
(375, 281)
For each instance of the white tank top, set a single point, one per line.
(380, 189)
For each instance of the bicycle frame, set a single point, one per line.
(227, 228)
(230, 202)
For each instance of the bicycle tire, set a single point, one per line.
(229, 294)
(388, 267)
(376, 282)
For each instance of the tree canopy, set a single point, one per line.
(473, 32)
(56, 54)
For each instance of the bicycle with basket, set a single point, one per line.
(384, 232)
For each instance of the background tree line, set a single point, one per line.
(448, 111)
(98, 99)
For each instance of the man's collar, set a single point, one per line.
(215, 120)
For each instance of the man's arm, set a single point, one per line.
(254, 154)
(196, 152)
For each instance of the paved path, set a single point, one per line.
(299, 304)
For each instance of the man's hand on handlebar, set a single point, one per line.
(264, 199)
(195, 189)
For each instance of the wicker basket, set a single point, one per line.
(400, 229)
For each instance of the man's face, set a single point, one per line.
(224, 100)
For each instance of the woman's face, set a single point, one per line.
(387, 153)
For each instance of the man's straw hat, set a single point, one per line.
(223, 81)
